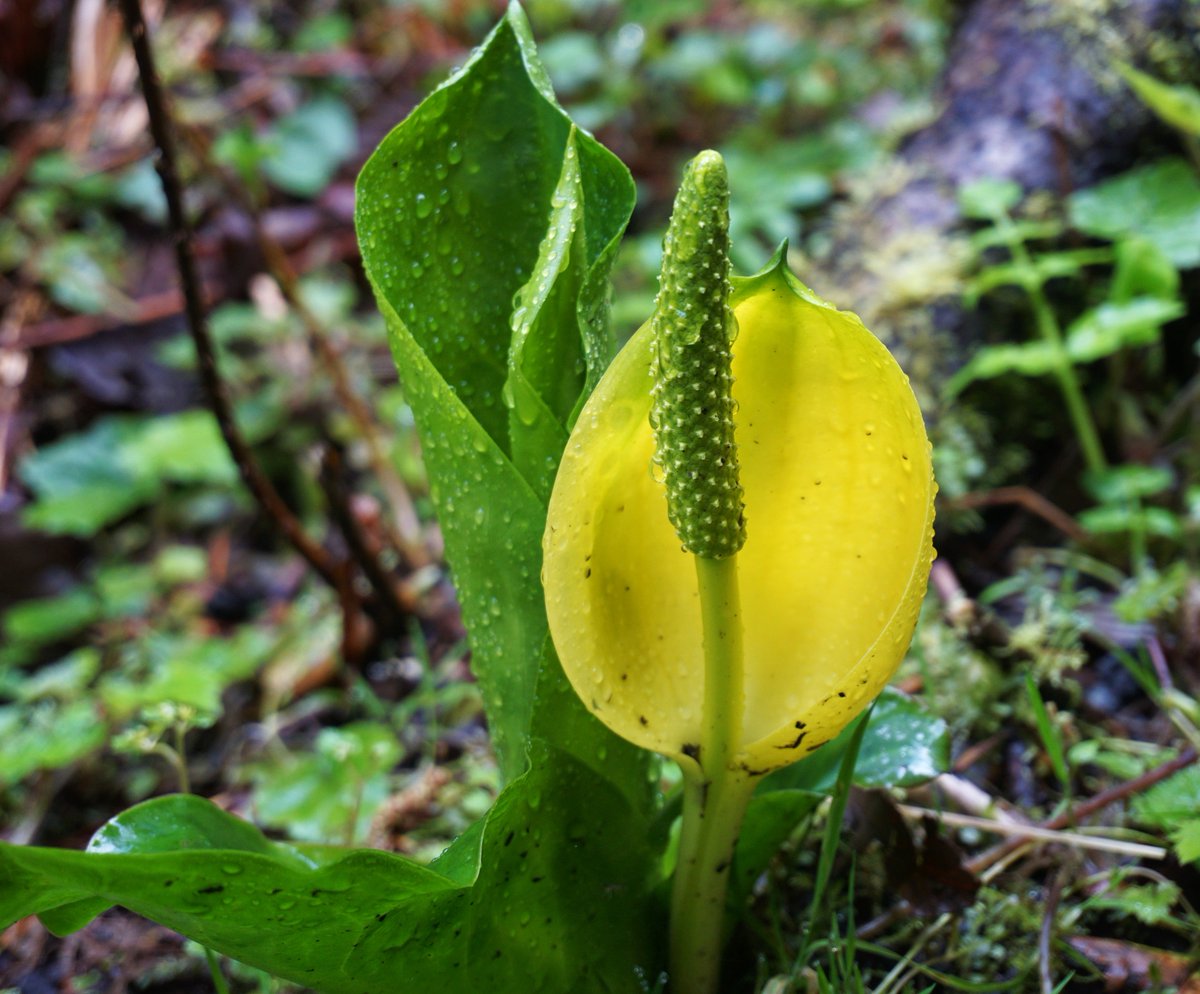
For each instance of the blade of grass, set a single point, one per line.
(1049, 733)
(829, 841)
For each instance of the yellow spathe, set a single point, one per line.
(835, 465)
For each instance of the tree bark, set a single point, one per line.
(1030, 94)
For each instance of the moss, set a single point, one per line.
(898, 258)
(961, 684)
(1102, 32)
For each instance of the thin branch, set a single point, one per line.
(403, 525)
(972, 799)
(983, 627)
(384, 585)
(14, 366)
(1025, 833)
(1028, 500)
(256, 481)
(153, 307)
(989, 863)
(1084, 809)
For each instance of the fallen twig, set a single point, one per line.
(403, 525)
(988, 864)
(389, 603)
(1024, 833)
(1028, 500)
(152, 307)
(1084, 809)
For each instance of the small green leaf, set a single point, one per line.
(1149, 903)
(332, 793)
(903, 746)
(1036, 358)
(1142, 270)
(1179, 105)
(82, 271)
(1119, 519)
(989, 199)
(997, 275)
(1109, 328)
(81, 483)
(1172, 805)
(1041, 269)
(1025, 231)
(1170, 801)
(1151, 594)
(183, 448)
(1159, 202)
(1128, 483)
(1186, 839)
(67, 679)
(50, 619)
(1070, 262)
(95, 477)
(574, 60)
(305, 148)
(183, 671)
(47, 735)
(125, 590)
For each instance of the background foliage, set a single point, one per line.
(157, 634)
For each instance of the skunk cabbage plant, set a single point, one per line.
(738, 539)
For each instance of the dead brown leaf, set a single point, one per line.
(1128, 964)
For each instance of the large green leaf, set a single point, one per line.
(488, 225)
(512, 905)
(561, 717)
